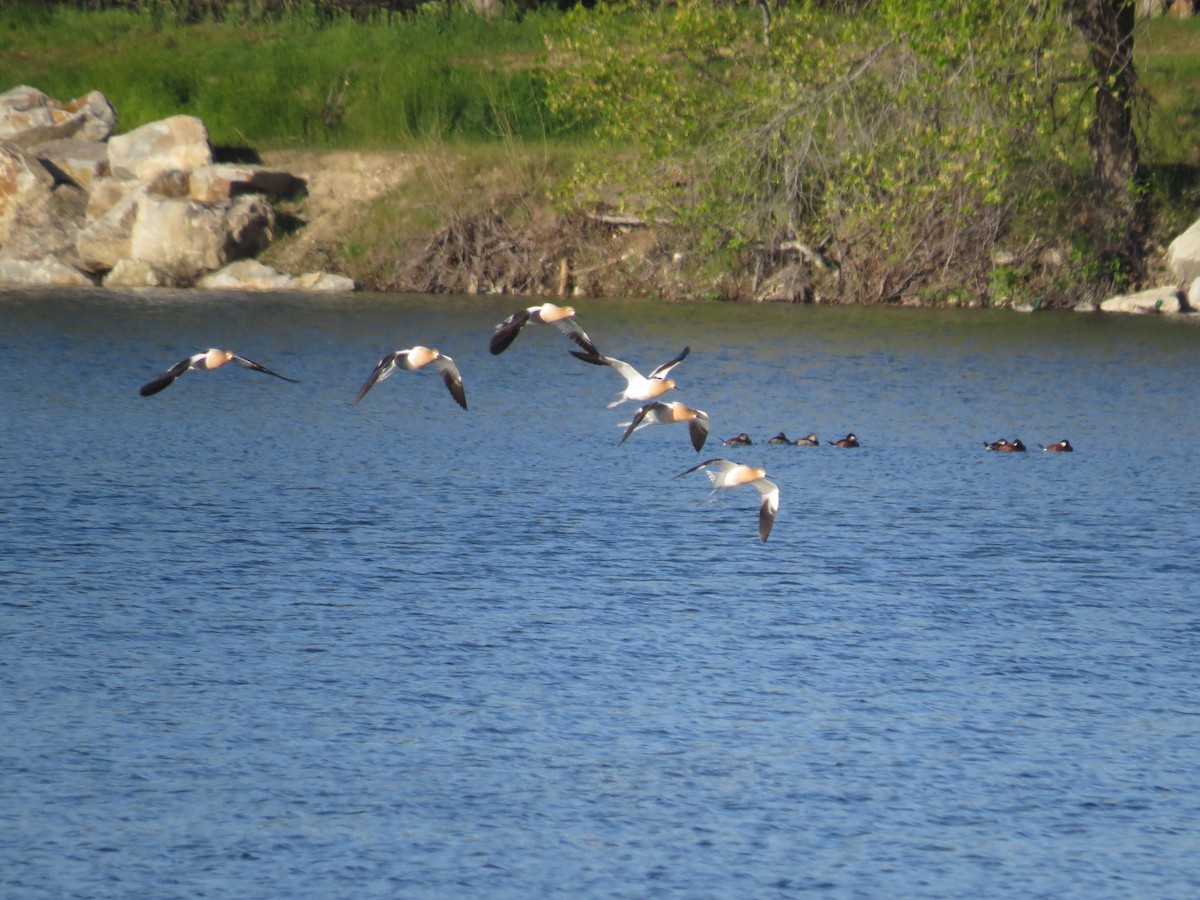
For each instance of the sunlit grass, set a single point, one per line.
(384, 82)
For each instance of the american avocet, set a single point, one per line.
(738, 440)
(638, 386)
(417, 358)
(561, 317)
(780, 438)
(730, 474)
(204, 362)
(666, 414)
(1063, 446)
(809, 440)
(848, 441)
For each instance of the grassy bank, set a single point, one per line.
(462, 102)
(292, 80)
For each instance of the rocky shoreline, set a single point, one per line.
(155, 208)
(82, 207)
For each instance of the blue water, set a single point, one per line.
(258, 642)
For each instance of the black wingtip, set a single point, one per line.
(153, 387)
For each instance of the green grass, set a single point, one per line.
(290, 82)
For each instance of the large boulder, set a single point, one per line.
(73, 160)
(133, 273)
(23, 182)
(49, 225)
(28, 117)
(211, 184)
(1154, 300)
(251, 275)
(179, 142)
(106, 239)
(187, 239)
(47, 272)
(1183, 254)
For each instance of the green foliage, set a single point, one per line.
(904, 138)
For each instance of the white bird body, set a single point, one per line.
(637, 385)
(726, 474)
(415, 358)
(657, 413)
(205, 361)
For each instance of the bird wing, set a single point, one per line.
(639, 420)
(724, 464)
(452, 378)
(698, 429)
(661, 371)
(382, 370)
(166, 378)
(770, 505)
(575, 332)
(250, 364)
(506, 332)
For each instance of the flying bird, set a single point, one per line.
(657, 413)
(730, 474)
(418, 358)
(638, 386)
(203, 362)
(561, 317)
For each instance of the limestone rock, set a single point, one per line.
(133, 273)
(188, 239)
(1166, 300)
(23, 182)
(47, 272)
(106, 240)
(210, 184)
(244, 275)
(99, 117)
(251, 275)
(48, 226)
(78, 162)
(108, 192)
(323, 282)
(1183, 254)
(179, 142)
(28, 116)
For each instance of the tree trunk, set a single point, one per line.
(1118, 181)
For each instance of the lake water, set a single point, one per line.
(258, 642)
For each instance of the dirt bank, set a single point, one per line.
(373, 216)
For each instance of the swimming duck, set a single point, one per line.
(561, 317)
(848, 441)
(739, 440)
(1063, 446)
(667, 413)
(729, 474)
(780, 438)
(809, 440)
(203, 362)
(637, 387)
(1006, 446)
(417, 358)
